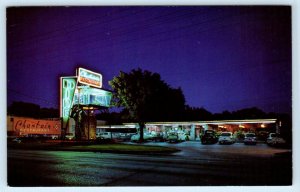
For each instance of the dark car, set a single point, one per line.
(158, 137)
(209, 137)
(172, 137)
(250, 138)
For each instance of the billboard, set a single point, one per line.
(85, 95)
(25, 126)
(90, 78)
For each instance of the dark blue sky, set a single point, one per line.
(223, 58)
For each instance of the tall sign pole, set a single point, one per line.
(67, 92)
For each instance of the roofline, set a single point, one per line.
(211, 122)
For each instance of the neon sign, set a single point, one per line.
(92, 96)
(68, 86)
(88, 77)
(84, 90)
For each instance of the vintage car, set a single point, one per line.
(172, 137)
(136, 137)
(275, 140)
(270, 137)
(209, 137)
(250, 138)
(226, 138)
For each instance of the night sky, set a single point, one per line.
(223, 58)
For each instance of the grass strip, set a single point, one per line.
(109, 148)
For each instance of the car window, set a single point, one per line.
(250, 135)
(225, 134)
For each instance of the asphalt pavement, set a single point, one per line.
(195, 165)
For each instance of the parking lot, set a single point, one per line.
(194, 165)
(194, 148)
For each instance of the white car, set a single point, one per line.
(136, 137)
(70, 137)
(270, 137)
(275, 140)
(181, 136)
(226, 137)
(17, 140)
(104, 135)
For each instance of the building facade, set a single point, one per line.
(192, 130)
(25, 126)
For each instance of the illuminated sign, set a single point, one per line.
(67, 90)
(36, 126)
(88, 77)
(83, 89)
(92, 96)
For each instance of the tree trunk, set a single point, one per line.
(142, 125)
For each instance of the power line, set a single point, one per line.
(64, 29)
(119, 30)
(18, 93)
(196, 30)
(111, 20)
(135, 39)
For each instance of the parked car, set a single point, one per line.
(104, 135)
(270, 137)
(17, 140)
(250, 138)
(210, 137)
(125, 136)
(136, 137)
(262, 135)
(158, 137)
(70, 137)
(54, 137)
(226, 137)
(172, 137)
(275, 140)
(182, 136)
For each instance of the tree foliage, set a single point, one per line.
(197, 114)
(147, 97)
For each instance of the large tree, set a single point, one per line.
(147, 97)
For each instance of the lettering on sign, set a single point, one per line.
(34, 126)
(93, 96)
(89, 78)
(68, 86)
(90, 81)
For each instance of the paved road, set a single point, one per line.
(195, 165)
(194, 148)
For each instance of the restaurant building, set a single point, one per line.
(190, 130)
(32, 127)
(194, 129)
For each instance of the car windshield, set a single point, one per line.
(225, 134)
(250, 135)
(274, 135)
